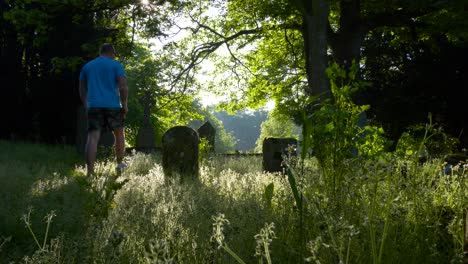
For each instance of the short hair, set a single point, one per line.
(107, 48)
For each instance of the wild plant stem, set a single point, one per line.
(334, 241)
(385, 231)
(47, 232)
(234, 255)
(384, 236)
(347, 251)
(34, 236)
(267, 252)
(371, 227)
(301, 228)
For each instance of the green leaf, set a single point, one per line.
(295, 191)
(268, 194)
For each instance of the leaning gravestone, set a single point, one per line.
(180, 152)
(208, 132)
(273, 149)
(107, 137)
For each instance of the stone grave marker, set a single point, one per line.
(146, 140)
(273, 149)
(208, 132)
(180, 152)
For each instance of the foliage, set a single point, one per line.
(276, 126)
(218, 236)
(412, 78)
(244, 125)
(423, 140)
(44, 44)
(149, 79)
(333, 131)
(333, 135)
(204, 149)
(266, 51)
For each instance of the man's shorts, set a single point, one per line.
(105, 119)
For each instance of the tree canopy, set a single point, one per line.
(271, 47)
(276, 50)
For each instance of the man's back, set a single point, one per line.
(101, 75)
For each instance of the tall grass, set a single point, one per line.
(233, 213)
(40, 177)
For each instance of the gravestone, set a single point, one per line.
(107, 137)
(208, 132)
(180, 152)
(273, 149)
(146, 140)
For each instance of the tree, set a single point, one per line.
(152, 98)
(10, 69)
(414, 78)
(43, 45)
(250, 26)
(278, 49)
(263, 21)
(244, 126)
(46, 46)
(276, 125)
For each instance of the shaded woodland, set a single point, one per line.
(412, 54)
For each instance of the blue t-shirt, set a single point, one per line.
(101, 76)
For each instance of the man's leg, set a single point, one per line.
(119, 135)
(91, 149)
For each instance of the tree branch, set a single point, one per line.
(202, 51)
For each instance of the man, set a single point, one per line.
(104, 92)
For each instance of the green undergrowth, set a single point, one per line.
(386, 210)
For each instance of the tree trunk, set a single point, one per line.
(346, 43)
(315, 21)
(12, 79)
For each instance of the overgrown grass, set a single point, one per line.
(377, 215)
(40, 177)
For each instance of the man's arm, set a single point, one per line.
(83, 89)
(123, 91)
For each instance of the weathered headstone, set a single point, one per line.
(107, 137)
(273, 149)
(146, 140)
(208, 132)
(180, 152)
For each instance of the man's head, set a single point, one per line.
(107, 50)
